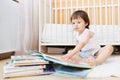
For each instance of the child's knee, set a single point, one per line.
(109, 47)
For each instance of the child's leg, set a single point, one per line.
(103, 54)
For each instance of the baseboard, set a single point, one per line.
(6, 55)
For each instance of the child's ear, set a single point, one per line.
(86, 24)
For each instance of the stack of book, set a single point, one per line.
(20, 66)
(66, 67)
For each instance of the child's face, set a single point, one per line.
(79, 24)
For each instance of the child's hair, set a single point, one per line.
(81, 14)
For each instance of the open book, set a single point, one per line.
(58, 60)
(71, 71)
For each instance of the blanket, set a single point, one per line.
(110, 67)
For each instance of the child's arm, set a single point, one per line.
(82, 42)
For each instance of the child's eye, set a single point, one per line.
(73, 23)
(78, 22)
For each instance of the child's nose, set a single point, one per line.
(76, 24)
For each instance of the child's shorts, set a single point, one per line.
(89, 53)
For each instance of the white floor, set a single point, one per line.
(110, 68)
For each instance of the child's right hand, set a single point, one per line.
(68, 56)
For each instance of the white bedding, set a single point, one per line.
(63, 33)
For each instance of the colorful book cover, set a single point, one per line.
(33, 72)
(29, 62)
(64, 70)
(12, 69)
(25, 60)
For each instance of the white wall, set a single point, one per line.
(9, 14)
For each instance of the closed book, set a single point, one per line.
(23, 73)
(24, 57)
(29, 62)
(49, 69)
(12, 69)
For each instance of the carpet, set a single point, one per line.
(111, 67)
